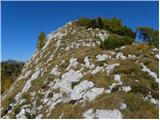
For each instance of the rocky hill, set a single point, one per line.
(72, 77)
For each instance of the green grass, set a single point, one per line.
(127, 67)
(130, 72)
(100, 79)
(136, 106)
(107, 101)
(131, 49)
(68, 111)
(152, 63)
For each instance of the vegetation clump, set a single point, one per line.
(114, 25)
(114, 41)
(83, 21)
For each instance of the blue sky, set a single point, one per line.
(23, 21)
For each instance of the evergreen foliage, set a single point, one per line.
(41, 40)
(149, 35)
(114, 25)
(100, 23)
(83, 21)
(115, 41)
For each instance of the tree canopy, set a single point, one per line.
(113, 25)
(149, 35)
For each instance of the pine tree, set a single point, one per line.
(41, 40)
(149, 35)
(100, 23)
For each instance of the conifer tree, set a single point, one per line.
(41, 40)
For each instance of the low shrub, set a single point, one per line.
(83, 21)
(115, 41)
(138, 88)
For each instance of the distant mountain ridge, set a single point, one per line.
(11, 61)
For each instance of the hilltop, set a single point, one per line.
(74, 75)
